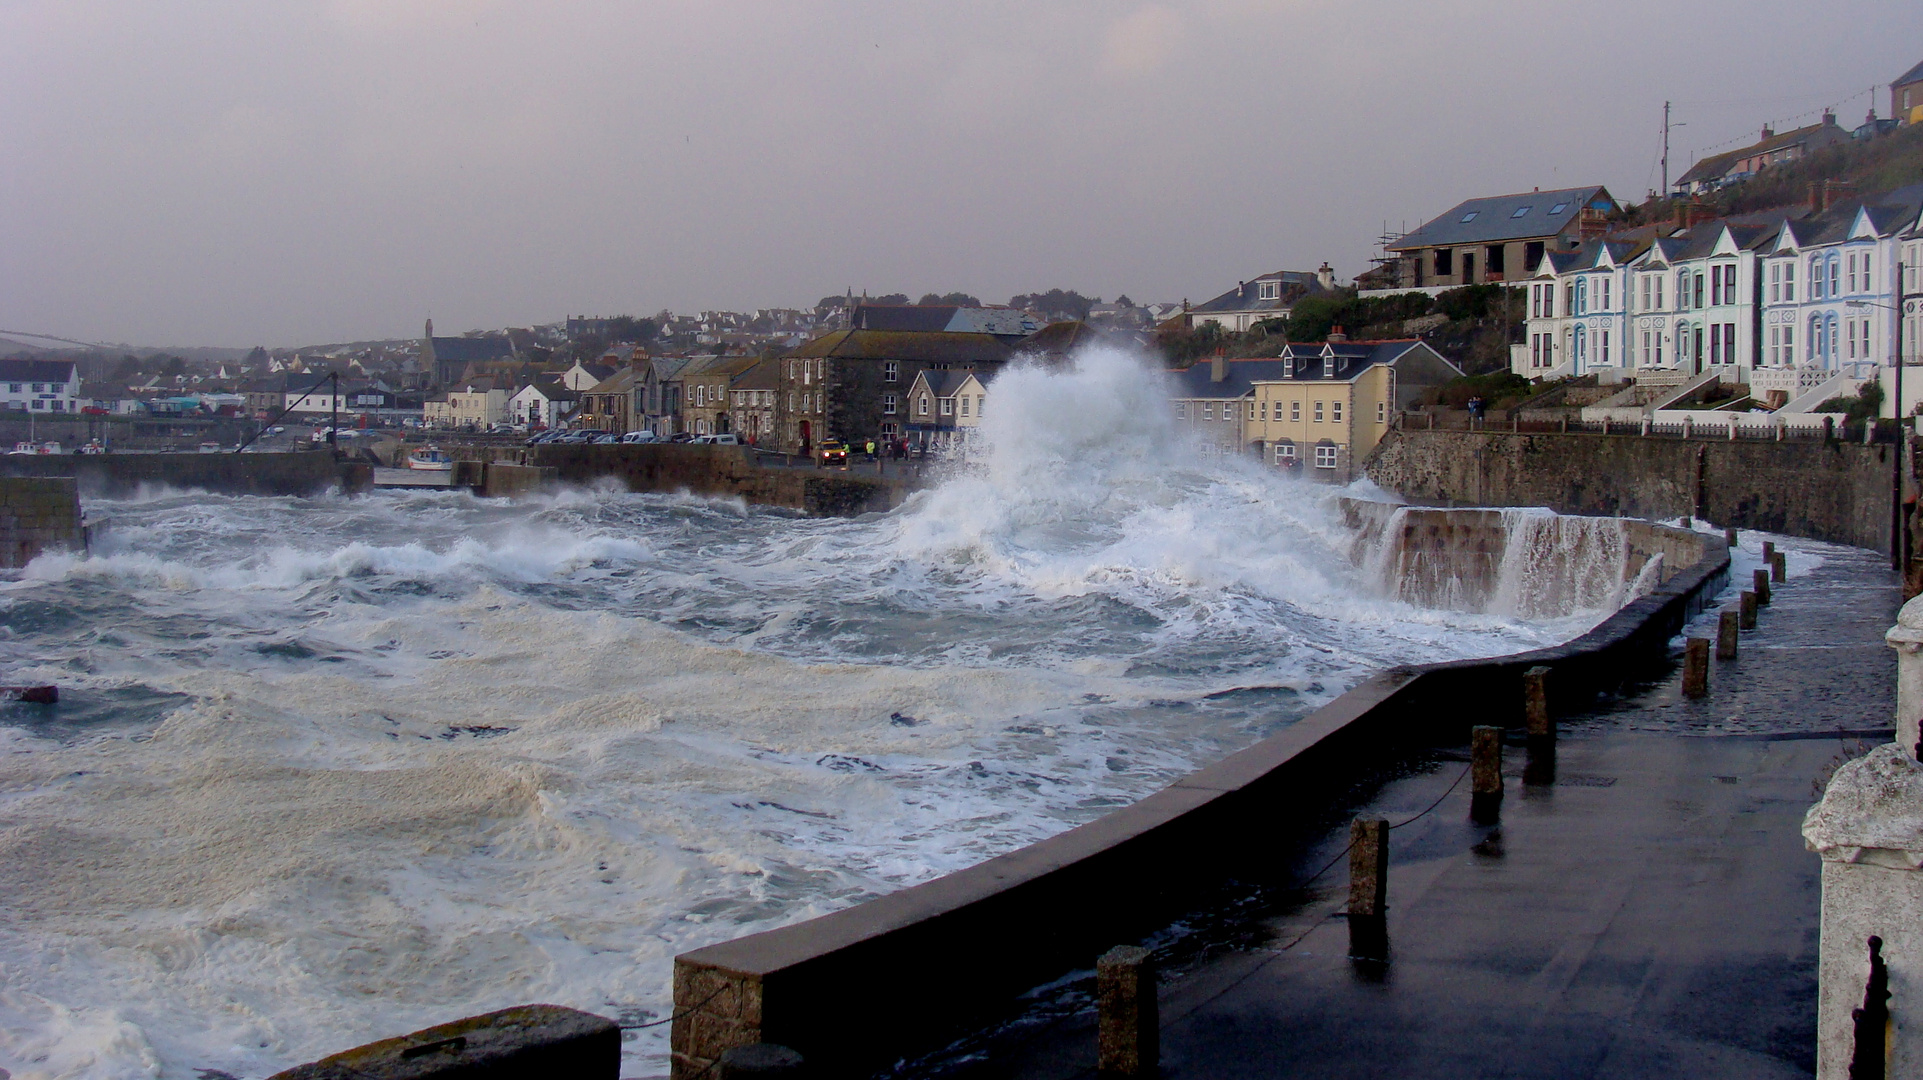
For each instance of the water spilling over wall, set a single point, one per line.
(1527, 563)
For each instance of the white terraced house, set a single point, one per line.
(40, 386)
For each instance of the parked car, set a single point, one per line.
(681, 437)
(607, 440)
(634, 437)
(718, 440)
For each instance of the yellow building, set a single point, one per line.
(1318, 407)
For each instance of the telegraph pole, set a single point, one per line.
(1665, 188)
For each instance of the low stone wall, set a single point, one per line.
(1835, 491)
(856, 988)
(725, 471)
(38, 514)
(114, 475)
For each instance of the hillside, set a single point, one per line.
(1873, 167)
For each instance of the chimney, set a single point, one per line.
(1815, 197)
(1337, 335)
(1768, 133)
(1218, 367)
(1325, 276)
(1829, 117)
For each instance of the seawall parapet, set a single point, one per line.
(856, 988)
(38, 514)
(311, 472)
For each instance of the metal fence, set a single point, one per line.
(1715, 427)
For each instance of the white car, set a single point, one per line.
(718, 440)
(634, 437)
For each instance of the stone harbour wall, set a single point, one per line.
(38, 514)
(1839, 492)
(311, 472)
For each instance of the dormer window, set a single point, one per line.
(1328, 367)
(1288, 368)
(1268, 290)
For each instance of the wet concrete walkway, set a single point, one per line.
(1652, 912)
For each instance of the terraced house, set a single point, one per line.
(854, 384)
(40, 385)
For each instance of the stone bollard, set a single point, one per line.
(1769, 551)
(1779, 567)
(1729, 537)
(1726, 626)
(1746, 611)
(1485, 782)
(1129, 1029)
(756, 1061)
(1906, 637)
(1369, 888)
(1535, 704)
(1869, 831)
(1688, 522)
(1759, 584)
(1696, 667)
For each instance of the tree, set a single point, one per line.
(127, 367)
(632, 331)
(175, 365)
(893, 299)
(953, 299)
(1056, 303)
(1124, 301)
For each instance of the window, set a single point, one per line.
(1715, 343)
(1285, 454)
(1228, 412)
(13, 388)
(1789, 281)
(1381, 412)
(1835, 264)
(1295, 411)
(1815, 342)
(1445, 262)
(981, 406)
(1208, 410)
(1659, 290)
(821, 369)
(1335, 412)
(1699, 291)
(1643, 290)
(1648, 355)
(1181, 409)
(1582, 343)
(1522, 211)
(1558, 208)
(1582, 296)
(1603, 287)
(1252, 410)
(964, 403)
(1789, 344)
(39, 404)
(791, 401)
(1268, 290)
(1603, 341)
(59, 406)
(948, 406)
(1325, 456)
(891, 372)
(1318, 412)
(1264, 411)
(39, 388)
(1469, 217)
(888, 404)
(923, 407)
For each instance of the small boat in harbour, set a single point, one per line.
(430, 459)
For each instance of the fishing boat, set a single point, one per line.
(430, 459)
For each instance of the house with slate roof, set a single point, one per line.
(1319, 407)
(752, 401)
(1003, 322)
(1735, 166)
(545, 402)
(1906, 96)
(448, 357)
(1498, 239)
(1266, 296)
(40, 385)
(945, 407)
(852, 384)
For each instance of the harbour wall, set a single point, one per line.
(38, 514)
(902, 973)
(312, 472)
(724, 471)
(1834, 491)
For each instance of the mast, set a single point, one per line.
(1665, 189)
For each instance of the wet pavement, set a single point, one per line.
(1650, 912)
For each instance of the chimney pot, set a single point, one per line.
(1829, 117)
(1337, 334)
(1768, 132)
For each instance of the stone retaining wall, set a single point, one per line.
(902, 973)
(1839, 492)
(38, 514)
(113, 475)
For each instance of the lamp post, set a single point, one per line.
(1898, 533)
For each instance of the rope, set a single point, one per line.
(1326, 867)
(676, 1016)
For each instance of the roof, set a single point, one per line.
(1506, 217)
(1915, 74)
(934, 318)
(1245, 296)
(599, 371)
(1061, 338)
(1717, 164)
(1299, 362)
(939, 347)
(472, 348)
(36, 370)
(946, 383)
(618, 383)
(764, 375)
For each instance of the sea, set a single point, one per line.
(332, 769)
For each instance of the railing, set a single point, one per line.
(1712, 426)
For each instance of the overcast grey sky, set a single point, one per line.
(239, 173)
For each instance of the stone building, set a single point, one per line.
(853, 384)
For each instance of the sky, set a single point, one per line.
(287, 173)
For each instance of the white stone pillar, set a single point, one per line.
(1869, 831)
(1906, 637)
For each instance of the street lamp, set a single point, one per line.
(1898, 534)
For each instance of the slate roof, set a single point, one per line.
(1057, 340)
(1717, 164)
(939, 347)
(934, 318)
(946, 383)
(465, 349)
(764, 375)
(1495, 219)
(1245, 297)
(1915, 74)
(56, 371)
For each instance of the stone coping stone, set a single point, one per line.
(512, 1044)
(856, 987)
